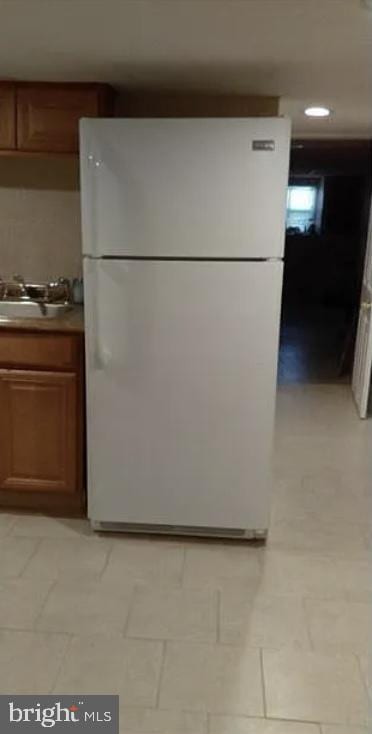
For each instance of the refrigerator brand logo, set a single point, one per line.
(263, 145)
(88, 714)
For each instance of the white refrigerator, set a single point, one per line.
(183, 225)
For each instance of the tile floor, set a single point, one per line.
(205, 637)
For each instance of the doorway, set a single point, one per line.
(327, 222)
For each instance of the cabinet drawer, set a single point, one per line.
(20, 349)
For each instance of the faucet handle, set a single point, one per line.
(66, 284)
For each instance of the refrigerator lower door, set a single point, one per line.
(181, 378)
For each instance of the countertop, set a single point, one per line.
(71, 322)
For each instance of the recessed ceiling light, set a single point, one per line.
(317, 111)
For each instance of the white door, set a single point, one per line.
(362, 371)
(213, 188)
(182, 360)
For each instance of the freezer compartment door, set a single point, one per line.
(184, 188)
(182, 360)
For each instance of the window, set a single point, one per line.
(302, 203)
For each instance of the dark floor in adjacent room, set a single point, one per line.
(315, 345)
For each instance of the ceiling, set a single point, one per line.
(307, 51)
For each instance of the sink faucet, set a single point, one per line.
(65, 283)
(21, 281)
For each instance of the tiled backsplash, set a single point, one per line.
(39, 218)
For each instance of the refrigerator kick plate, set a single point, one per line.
(232, 533)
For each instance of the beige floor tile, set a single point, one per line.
(32, 526)
(365, 663)
(263, 621)
(343, 729)
(297, 456)
(217, 566)
(339, 626)
(111, 664)
(6, 523)
(305, 409)
(86, 608)
(368, 529)
(327, 577)
(328, 493)
(240, 725)
(156, 721)
(313, 532)
(67, 559)
(21, 601)
(15, 554)
(319, 411)
(174, 614)
(356, 577)
(336, 495)
(309, 686)
(145, 561)
(29, 661)
(295, 573)
(212, 678)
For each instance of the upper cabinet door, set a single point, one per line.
(7, 117)
(48, 115)
(209, 188)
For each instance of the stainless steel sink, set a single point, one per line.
(33, 310)
(20, 299)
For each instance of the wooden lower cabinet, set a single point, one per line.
(41, 446)
(39, 431)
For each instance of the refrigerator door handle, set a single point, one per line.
(101, 354)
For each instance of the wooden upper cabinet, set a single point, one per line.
(48, 114)
(7, 116)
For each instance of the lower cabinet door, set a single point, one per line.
(38, 431)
